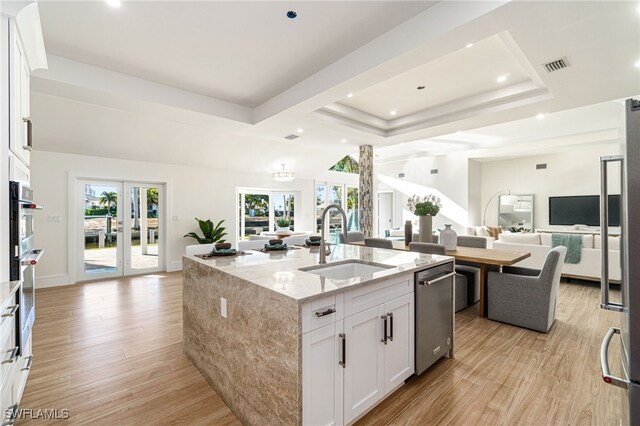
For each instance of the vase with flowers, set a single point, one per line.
(425, 208)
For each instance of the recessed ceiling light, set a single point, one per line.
(300, 130)
(469, 45)
(459, 132)
(350, 95)
(114, 3)
(540, 116)
(421, 87)
(292, 14)
(343, 141)
(502, 78)
(393, 112)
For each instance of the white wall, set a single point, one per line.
(451, 179)
(191, 192)
(576, 172)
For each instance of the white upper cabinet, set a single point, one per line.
(19, 118)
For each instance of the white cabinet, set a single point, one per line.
(399, 352)
(349, 366)
(19, 120)
(364, 372)
(323, 376)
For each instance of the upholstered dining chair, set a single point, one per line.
(527, 297)
(378, 243)
(468, 270)
(461, 281)
(352, 237)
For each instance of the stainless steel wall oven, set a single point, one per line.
(23, 255)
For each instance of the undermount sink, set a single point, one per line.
(346, 269)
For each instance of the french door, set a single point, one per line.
(121, 228)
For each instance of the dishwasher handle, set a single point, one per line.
(428, 282)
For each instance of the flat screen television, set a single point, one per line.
(582, 210)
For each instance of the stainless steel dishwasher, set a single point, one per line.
(434, 317)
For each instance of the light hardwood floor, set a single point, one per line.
(110, 352)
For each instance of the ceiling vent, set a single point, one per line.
(434, 171)
(400, 175)
(291, 137)
(541, 166)
(556, 65)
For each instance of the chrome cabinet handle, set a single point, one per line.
(604, 361)
(321, 314)
(12, 312)
(429, 282)
(29, 362)
(343, 362)
(384, 329)
(390, 315)
(12, 358)
(29, 145)
(14, 415)
(605, 303)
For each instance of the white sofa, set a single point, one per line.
(539, 244)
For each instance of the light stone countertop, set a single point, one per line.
(279, 271)
(7, 289)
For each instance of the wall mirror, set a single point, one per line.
(516, 212)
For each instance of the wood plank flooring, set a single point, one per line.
(110, 352)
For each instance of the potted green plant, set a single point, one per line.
(210, 233)
(425, 208)
(282, 225)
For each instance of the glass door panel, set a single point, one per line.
(335, 218)
(257, 217)
(101, 231)
(284, 208)
(321, 202)
(143, 251)
(353, 223)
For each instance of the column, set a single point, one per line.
(365, 190)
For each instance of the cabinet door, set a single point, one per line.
(18, 98)
(363, 374)
(399, 353)
(322, 376)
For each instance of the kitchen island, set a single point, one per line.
(283, 345)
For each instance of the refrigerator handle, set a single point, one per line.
(605, 303)
(604, 361)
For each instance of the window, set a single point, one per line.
(343, 195)
(259, 211)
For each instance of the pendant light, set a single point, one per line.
(283, 175)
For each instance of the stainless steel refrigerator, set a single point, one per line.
(628, 305)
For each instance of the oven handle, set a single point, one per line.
(32, 258)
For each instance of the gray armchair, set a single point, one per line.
(352, 237)
(378, 243)
(527, 297)
(461, 281)
(469, 270)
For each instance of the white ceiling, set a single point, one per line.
(458, 75)
(371, 49)
(243, 52)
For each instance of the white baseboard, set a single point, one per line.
(44, 281)
(174, 266)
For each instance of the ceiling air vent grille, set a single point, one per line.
(556, 65)
(291, 137)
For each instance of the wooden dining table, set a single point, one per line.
(482, 257)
